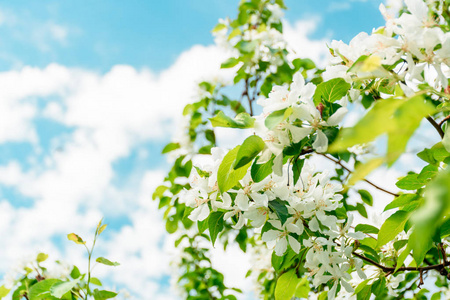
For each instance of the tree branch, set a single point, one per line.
(402, 269)
(436, 125)
(444, 120)
(367, 181)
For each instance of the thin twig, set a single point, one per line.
(350, 171)
(436, 125)
(444, 120)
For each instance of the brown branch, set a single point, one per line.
(444, 120)
(367, 181)
(436, 125)
(247, 93)
(402, 269)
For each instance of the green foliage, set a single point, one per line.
(391, 227)
(331, 90)
(251, 147)
(286, 285)
(227, 176)
(215, 225)
(242, 120)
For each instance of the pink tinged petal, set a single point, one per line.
(295, 245)
(200, 213)
(337, 117)
(299, 133)
(270, 235)
(281, 247)
(242, 201)
(321, 142)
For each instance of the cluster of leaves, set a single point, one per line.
(34, 283)
(419, 225)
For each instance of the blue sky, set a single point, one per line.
(150, 34)
(90, 91)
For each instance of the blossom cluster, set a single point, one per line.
(416, 39)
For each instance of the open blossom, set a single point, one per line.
(281, 97)
(282, 236)
(413, 37)
(312, 117)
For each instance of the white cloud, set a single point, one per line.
(72, 186)
(298, 37)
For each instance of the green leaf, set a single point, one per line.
(277, 117)
(297, 167)
(303, 288)
(219, 27)
(103, 295)
(427, 173)
(280, 208)
(170, 147)
(427, 155)
(446, 139)
(4, 291)
(246, 47)
(366, 197)
(445, 229)
(366, 228)
(361, 286)
(75, 272)
(407, 119)
(401, 200)
(361, 209)
(261, 171)
(96, 281)
(286, 285)
(107, 262)
(331, 90)
(41, 290)
(215, 225)
(242, 120)
(159, 191)
(251, 147)
(41, 257)
(376, 122)
(202, 225)
(75, 238)
(431, 215)
(410, 182)
(227, 176)
(229, 63)
(59, 289)
(391, 227)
